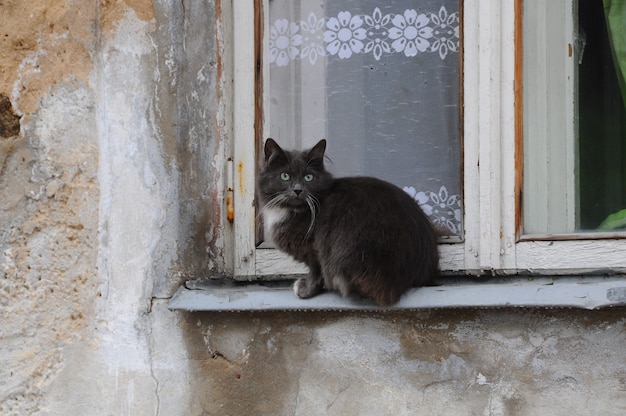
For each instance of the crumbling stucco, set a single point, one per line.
(110, 168)
(44, 44)
(455, 362)
(9, 121)
(49, 239)
(61, 285)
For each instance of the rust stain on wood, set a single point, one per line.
(240, 178)
(230, 206)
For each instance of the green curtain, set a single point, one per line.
(615, 11)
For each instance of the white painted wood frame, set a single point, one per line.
(573, 253)
(244, 159)
(491, 242)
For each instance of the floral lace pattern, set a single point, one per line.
(443, 209)
(346, 34)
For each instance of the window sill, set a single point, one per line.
(588, 292)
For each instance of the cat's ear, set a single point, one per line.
(317, 152)
(272, 150)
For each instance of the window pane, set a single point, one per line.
(380, 81)
(602, 126)
(574, 120)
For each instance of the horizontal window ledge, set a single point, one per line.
(588, 292)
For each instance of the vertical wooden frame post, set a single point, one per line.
(244, 138)
(489, 134)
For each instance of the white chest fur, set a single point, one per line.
(271, 218)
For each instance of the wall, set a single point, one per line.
(110, 177)
(454, 362)
(113, 133)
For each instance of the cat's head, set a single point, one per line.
(293, 179)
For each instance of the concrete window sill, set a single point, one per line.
(588, 292)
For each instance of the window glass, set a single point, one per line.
(574, 116)
(380, 81)
(602, 125)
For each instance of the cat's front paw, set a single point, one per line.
(303, 290)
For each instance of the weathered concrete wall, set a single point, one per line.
(454, 362)
(48, 195)
(113, 138)
(109, 158)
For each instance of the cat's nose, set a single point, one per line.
(297, 191)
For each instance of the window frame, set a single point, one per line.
(492, 163)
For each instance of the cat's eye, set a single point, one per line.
(285, 176)
(308, 178)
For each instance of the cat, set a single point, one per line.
(355, 234)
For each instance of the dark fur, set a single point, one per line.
(356, 234)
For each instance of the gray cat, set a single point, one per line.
(356, 234)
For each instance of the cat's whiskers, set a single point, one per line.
(274, 201)
(278, 198)
(313, 204)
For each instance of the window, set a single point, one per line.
(542, 180)
(574, 139)
(380, 81)
(574, 120)
(508, 222)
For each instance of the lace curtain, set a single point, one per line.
(380, 81)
